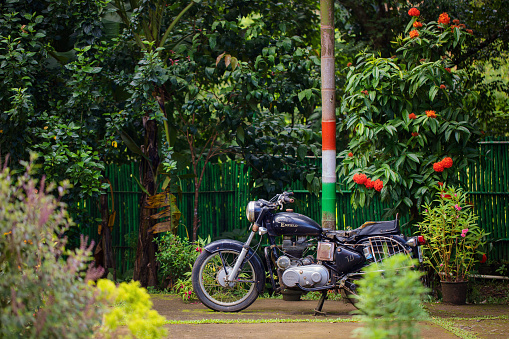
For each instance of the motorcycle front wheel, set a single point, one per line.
(211, 287)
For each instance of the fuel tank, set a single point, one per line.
(291, 223)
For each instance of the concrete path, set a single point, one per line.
(286, 319)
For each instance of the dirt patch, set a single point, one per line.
(295, 319)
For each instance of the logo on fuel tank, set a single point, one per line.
(286, 222)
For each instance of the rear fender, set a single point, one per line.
(227, 244)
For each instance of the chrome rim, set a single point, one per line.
(220, 292)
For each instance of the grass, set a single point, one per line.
(450, 326)
(259, 321)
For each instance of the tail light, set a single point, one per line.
(416, 241)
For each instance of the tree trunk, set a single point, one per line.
(195, 216)
(106, 237)
(145, 265)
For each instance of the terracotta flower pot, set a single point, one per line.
(454, 292)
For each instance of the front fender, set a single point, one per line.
(227, 244)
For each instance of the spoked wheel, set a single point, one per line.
(214, 291)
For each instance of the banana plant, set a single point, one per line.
(145, 19)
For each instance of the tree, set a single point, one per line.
(372, 25)
(52, 96)
(145, 22)
(228, 74)
(412, 119)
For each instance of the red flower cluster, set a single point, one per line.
(362, 179)
(470, 31)
(412, 116)
(349, 64)
(414, 12)
(453, 27)
(443, 164)
(417, 24)
(442, 86)
(414, 34)
(431, 114)
(414, 134)
(378, 185)
(447, 162)
(369, 184)
(456, 21)
(448, 69)
(438, 167)
(440, 184)
(359, 178)
(350, 154)
(365, 92)
(444, 19)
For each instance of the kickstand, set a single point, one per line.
(318, 309)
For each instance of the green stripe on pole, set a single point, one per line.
(329, 198)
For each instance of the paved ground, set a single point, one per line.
(294, 320)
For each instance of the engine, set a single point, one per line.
(294, 246)
(298, 270)
(313, 275)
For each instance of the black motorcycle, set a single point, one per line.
(229, 275)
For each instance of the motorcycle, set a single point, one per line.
(229, 275)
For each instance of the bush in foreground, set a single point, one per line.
(42, 295)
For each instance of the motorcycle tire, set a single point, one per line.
(208, 275)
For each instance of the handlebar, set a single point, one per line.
(279, 200)
(288, 200)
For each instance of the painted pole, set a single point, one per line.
(328, 115)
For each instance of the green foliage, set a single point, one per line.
(184, 288)
(390, 296)
(42, 294)
(406, 113)
(132, 308)
(452, 235)
(367, 26)
(55, 93)
(177, 256)
(257, 104)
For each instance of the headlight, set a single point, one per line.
(253, 210)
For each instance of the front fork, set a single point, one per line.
(240, 259)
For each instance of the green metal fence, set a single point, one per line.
(226, 189)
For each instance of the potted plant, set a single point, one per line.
(452, 238)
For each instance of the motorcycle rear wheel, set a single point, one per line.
(209, 284)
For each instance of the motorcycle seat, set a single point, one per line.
(378, 228)
(367, 229)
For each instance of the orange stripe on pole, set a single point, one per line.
(328, 135)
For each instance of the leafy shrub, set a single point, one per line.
(132, 308)
(177, 256)
(452, 234)
(42, 294)
(184, 288)
(408, 112)
(389, 299)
